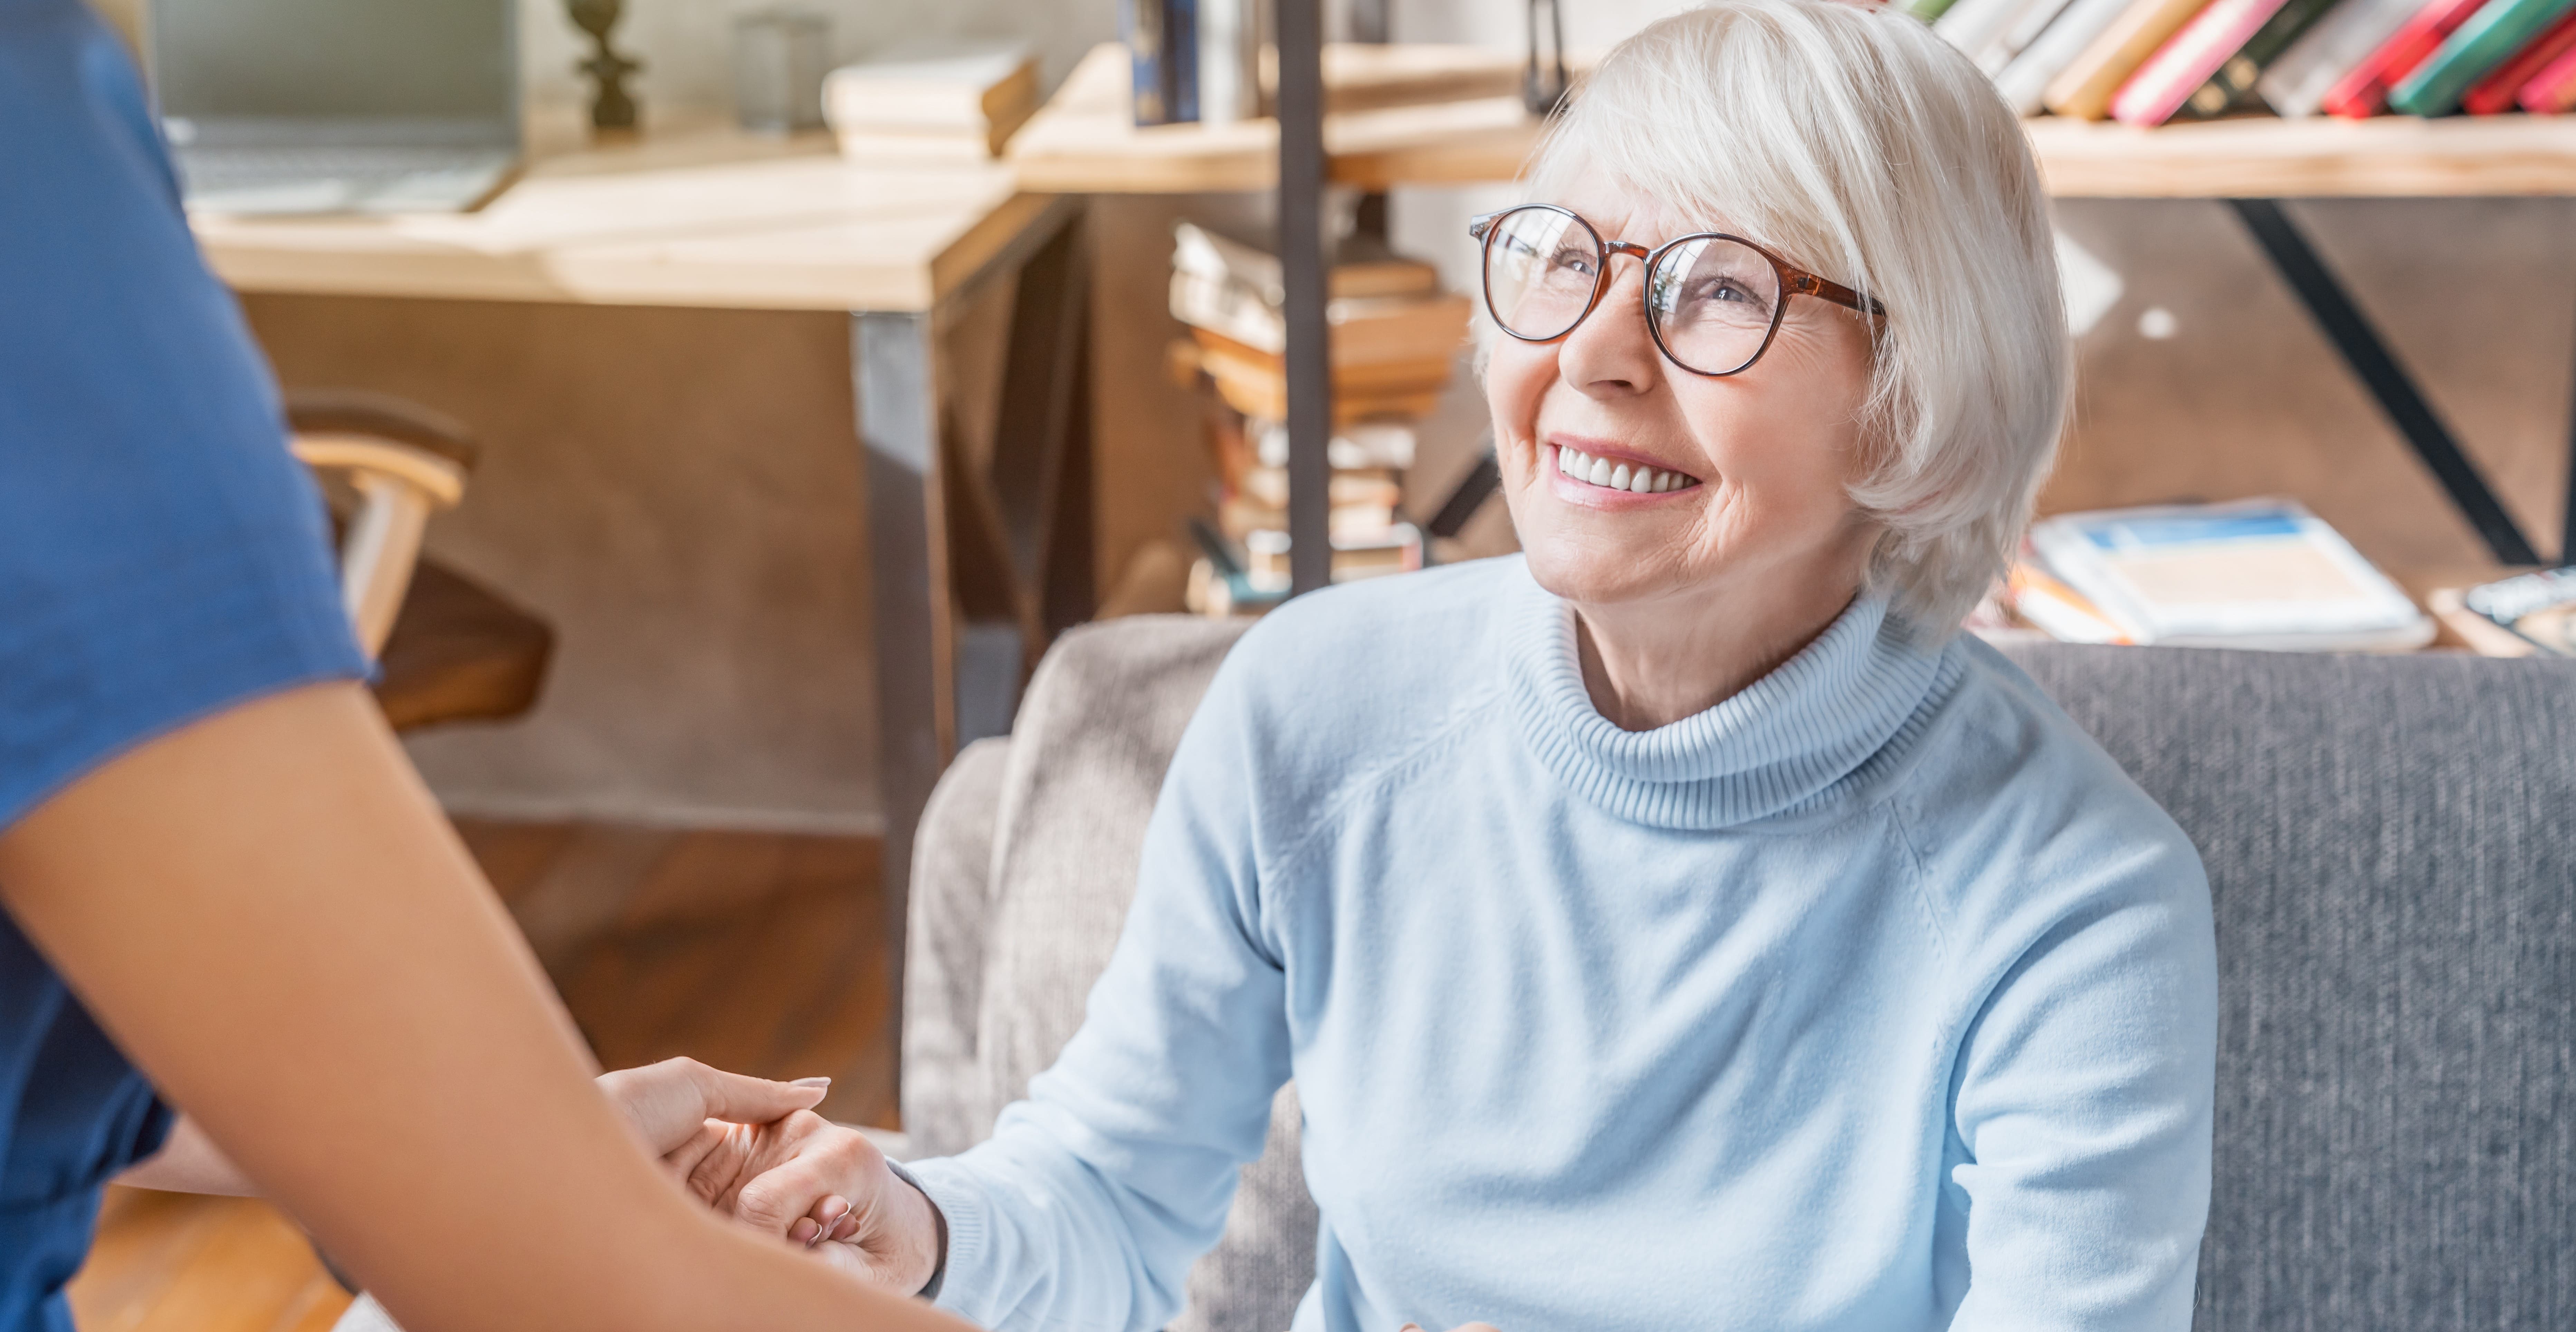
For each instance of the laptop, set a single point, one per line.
(337, 106)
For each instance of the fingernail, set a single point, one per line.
(811, 1082)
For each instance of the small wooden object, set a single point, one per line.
(612, 109)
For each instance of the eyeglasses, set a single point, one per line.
(1713, 301)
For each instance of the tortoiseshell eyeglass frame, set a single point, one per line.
(1794, 281)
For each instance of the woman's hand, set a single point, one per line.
(814, 1183)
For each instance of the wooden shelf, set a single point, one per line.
(1083, 142)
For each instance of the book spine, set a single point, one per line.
(2084, 89)
(1140, 25)
(2183, 63)
(2488, 39)
(2495, 92)
(1926, 10)
(2551, 90)
(2024, 82)
(1181, 58)
(2296, 84)
(2235, 78)
(1974, 26)
(2363, 91)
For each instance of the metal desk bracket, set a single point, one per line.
(2361, 348)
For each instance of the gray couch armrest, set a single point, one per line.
(945, 1107)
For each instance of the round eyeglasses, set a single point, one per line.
(1713, 301)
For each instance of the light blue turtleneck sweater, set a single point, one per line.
(1874, 997)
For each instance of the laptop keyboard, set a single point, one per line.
(237, 168)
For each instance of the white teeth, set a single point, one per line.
(1621, 476)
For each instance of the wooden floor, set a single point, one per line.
(758, 952)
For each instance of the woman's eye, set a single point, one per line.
(1573, 261)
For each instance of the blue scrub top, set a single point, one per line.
(162, 557)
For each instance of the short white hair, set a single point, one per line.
(1861, 146)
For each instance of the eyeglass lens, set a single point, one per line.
(1711, 301)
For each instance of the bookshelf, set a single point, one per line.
(1367, 132)
(1083, 143)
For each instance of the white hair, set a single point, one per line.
(1866, 149)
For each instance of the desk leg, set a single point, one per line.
(2344, 324)
(896, 361)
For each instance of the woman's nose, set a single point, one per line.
(1612, 353)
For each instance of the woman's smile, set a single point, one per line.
(1598, 475)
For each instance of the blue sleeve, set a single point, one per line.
(2084, 1096)
(1094, 1195)
(162, 555)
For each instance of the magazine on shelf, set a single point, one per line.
(2250, 574)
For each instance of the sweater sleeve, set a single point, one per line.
(1093, 1197)
(2083, 1097)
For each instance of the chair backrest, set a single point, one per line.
(2391, 857)
(404, 461)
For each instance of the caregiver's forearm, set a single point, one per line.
(267, 911)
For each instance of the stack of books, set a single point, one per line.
(935, 103)
(1395, 339)
(2261, 574)
(2144, 62)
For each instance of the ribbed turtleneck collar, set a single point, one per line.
(1848, 702)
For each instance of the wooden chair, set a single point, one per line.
(449, 649)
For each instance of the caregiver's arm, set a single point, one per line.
(668, 1104)
(269, 914)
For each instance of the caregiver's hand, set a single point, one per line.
(670, 1102)
(814, 1183)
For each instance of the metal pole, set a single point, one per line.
(1302, 263)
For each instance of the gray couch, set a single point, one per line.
(2391, 844)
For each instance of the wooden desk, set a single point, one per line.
(973, 566)
(1083, 141)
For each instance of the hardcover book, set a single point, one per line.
(2188, 59)
(2024, 82)
(2297, 83)
(2085, 87)
(2495, 92)
(2363, 90)
(2486, 40)
(2233, 83)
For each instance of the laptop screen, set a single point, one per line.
(445, 67)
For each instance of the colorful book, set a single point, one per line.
(2233, 83)
(2024, 82)
(2488, 39)
(2188, 58)
(2495, 92)
(2084, 88)
(2551, 90)
(2363, 90)
(2296, 84)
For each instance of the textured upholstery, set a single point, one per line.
(2389, 848)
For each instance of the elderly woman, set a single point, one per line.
(1680, 925)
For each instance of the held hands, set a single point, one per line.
(816, 1184)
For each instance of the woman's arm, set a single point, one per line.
(271, 916)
